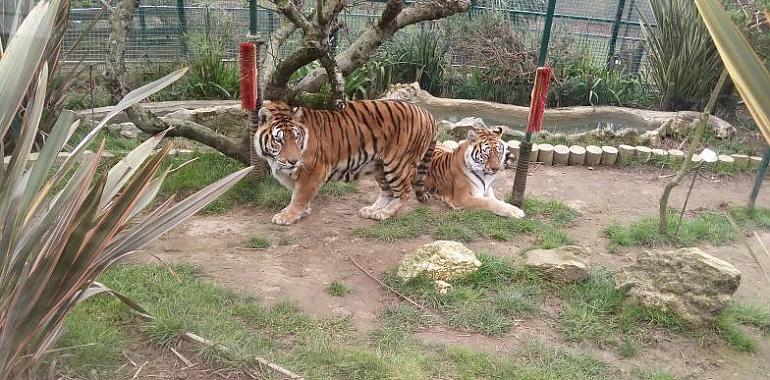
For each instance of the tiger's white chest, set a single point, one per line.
(284, 177)
(481, 184)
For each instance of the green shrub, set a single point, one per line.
(684, 63)
(419, 55)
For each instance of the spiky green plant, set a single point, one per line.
(684, 64)
(63, 225)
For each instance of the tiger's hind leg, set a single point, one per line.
(383, 200)
(398, 177)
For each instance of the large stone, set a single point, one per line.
(441, 260)
(563, 265)
(459, 130)
(127, 130)
(694, 285)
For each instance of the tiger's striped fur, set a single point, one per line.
(463, 177)
(306, 148)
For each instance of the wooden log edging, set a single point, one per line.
(592, 155)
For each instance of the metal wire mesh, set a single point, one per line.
(167, 30)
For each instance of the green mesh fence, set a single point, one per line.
(168, 31)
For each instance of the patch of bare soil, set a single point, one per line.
(305, 257)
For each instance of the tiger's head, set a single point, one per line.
(281, 136)
(486, 150)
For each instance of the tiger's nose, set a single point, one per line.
(292, 161)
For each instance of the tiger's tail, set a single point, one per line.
(422, 173)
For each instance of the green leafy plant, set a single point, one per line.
(421, 56)
(580, 81)
(502, 61)
(64, 225)
(684, 64)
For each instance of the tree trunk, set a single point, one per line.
(116, 77)
(694, 142)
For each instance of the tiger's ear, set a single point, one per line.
(297, 113)
(498, 131)
(472, 136)
(263, 114)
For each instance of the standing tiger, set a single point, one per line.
(463, 177)
(306, 148)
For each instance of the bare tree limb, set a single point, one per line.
(294, 13)
(337, 80)
(394, 17)
(277, 40)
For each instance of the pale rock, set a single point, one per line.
(441, 260)
(443, 286)
(563, 265)
(688, 282)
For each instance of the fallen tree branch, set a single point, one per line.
(116, 77)
(394, 291)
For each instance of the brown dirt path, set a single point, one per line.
(305, 257)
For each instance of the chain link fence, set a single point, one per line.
(166, 31)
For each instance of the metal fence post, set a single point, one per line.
(180, 10)
(253, 17)
(758, 181)
(142, 24)
(546, 33)
(615, 30)
(522, 164)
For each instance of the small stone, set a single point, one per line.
(443, 286)
(129, 134)
(441, 260)
(563, 265)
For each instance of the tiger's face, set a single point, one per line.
(486, 152)
(281, 137)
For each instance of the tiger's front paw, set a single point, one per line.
(288, 216)
(510, 211)
(423, 198)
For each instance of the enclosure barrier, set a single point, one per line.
(591, 155)
(170, 31)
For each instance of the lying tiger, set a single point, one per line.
(463, 177)
(306, 148)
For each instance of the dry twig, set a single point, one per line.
(394, 291)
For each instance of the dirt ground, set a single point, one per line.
(307, 256)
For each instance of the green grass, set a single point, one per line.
(396, 324)
(210, 167)
(258, 242)
(656, 374)
(337, 289)
(629, 347)
(115, 144)
(486, 301)
(729, 322)
(545, 220)
(102, 329)
(596, 311)
(444, 135)
(760, 218)
(711, 227)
